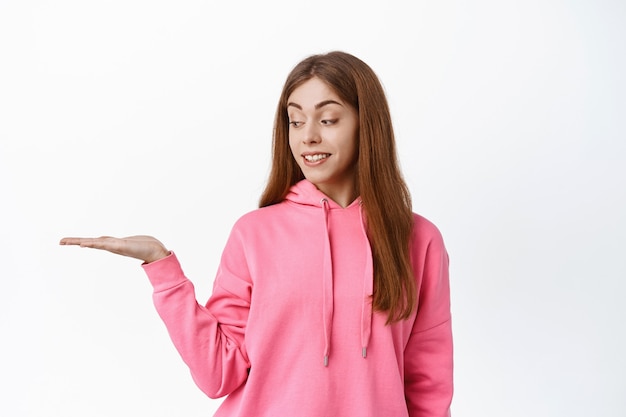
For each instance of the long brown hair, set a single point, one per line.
(384, 194)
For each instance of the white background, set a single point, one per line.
(154, 117)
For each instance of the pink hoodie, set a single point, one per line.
(289, 329)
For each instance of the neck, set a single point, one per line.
(344, 196)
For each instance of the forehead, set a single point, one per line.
(312, 92)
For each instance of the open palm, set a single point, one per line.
(145, 248)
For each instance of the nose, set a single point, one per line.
(311, 134)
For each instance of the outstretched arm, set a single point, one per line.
(209, 339)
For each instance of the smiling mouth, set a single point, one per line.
(316, 157)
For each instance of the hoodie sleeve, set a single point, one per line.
(428, 355)
(210, 339)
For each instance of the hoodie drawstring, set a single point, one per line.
(327, 296)
(328, 292)
(368, 290)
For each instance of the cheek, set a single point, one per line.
(292, 148)
(353, 147)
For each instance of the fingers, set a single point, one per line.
(107, 243)
(88, 242)
(72, 240)
(141, 247)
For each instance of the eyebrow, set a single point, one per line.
(317, 106)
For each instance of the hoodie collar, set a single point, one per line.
(306, 193)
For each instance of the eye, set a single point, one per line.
(328, 122)
(295, 123)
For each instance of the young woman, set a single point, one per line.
(332, 299)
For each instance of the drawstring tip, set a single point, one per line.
(325, 360)
(364, 352)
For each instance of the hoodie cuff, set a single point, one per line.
(165, 273)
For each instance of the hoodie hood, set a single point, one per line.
(306, 193)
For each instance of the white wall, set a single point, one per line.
(153, 117)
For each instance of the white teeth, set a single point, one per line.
(316, 157)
